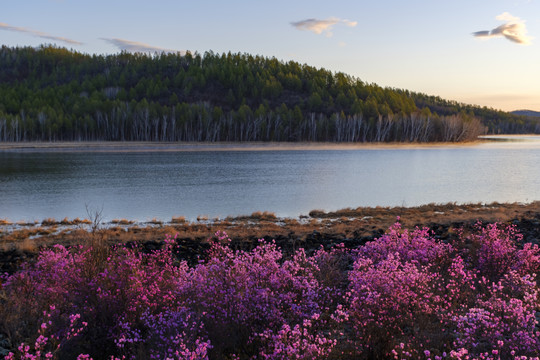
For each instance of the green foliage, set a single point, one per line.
(51, 93)
(497, 121)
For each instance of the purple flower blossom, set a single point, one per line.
(405, 295)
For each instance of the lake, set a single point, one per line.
(222, 180)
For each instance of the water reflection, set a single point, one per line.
(143, 185)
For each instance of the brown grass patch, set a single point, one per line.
(291, 222)
(265, 215)
(78, 221)
(225, 223)
(45, 230)
(26, 223)
(317, 213)
(122, 222)
(66, 221)
(178, 220)
(155, 221)
(27, 245)
(169, 230)
(20, 234)
(360, 225)
(49, 222)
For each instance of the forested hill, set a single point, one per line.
(53, 94)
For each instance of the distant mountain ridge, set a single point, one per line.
(526, 113)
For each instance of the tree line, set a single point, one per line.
(55, 94)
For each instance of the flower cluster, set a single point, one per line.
(405, 295)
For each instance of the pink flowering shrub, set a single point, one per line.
(411, 295)
(47, 345)
(416, 245)
(503, 318)
(303, 341)
(405, 295)
(494, 252)
(129, 284)
(388, 299)
(166, 335)
(243, 293)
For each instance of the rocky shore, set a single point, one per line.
(353, 227)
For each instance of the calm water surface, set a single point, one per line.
(144, 185)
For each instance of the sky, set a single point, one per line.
(482, 52)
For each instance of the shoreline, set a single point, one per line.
(348, 223)
(139, 146)
(20, 243)
(162, 146)
(441, 211)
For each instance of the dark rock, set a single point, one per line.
(5, 346)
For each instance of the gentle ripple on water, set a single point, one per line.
(144, 185)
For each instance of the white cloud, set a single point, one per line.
(321, 26)
(513, 29)
(134, 46)
(7, 27)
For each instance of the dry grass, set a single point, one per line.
(66, 221)
(178, 220)
(225, 223)
(265, 215)
(291, 222)
(21, 234)
(49, 222)
(450, 212)
(78, 221)
(155, 221)
(27, 245)
(122, 222)
(46, 230)
(5, 222)
(358, 224)
(317, 213)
